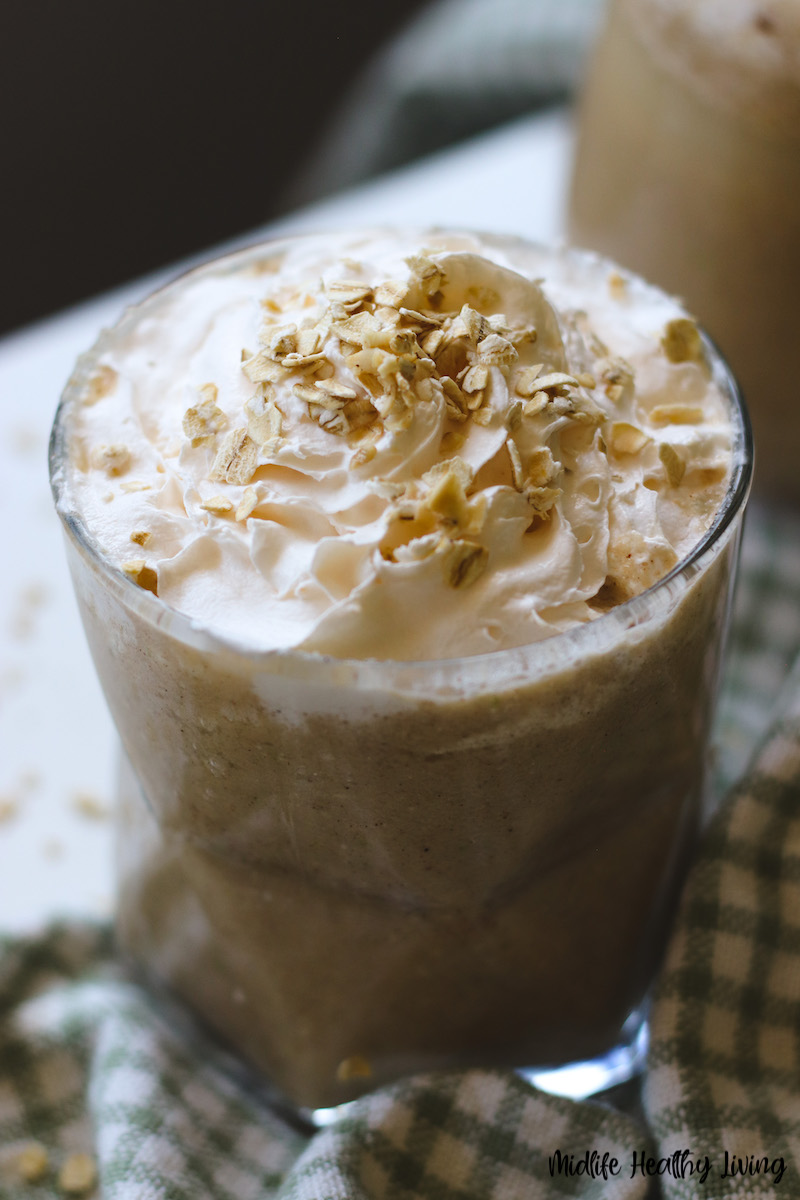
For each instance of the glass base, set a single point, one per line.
(580, 1080)
(576, 1080)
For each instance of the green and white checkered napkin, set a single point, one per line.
(88, 1067)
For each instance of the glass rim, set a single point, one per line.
(544, 653)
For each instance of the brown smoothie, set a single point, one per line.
(353, 867)
(686, 170)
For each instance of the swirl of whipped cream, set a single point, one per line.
(400, 446)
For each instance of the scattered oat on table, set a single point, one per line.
(89, 806)
(78, 1174)
(33, 1162)
(9, 808)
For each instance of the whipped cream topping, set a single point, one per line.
(399, 446)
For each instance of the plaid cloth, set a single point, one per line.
(88, 1066)
(724, 1068)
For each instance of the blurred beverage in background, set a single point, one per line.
(688, 171)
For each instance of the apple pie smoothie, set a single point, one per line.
(405, 561)
(687, 169)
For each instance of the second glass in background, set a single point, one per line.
(688, 171)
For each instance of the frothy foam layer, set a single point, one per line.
(739, 54)
(400, 447)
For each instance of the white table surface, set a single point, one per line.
(57, 743)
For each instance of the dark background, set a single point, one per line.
(134, 133)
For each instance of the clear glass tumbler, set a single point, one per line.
(355, 870)
(687, 170)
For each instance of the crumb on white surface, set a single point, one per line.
(90, 806)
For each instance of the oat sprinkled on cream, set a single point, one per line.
(363, 429)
